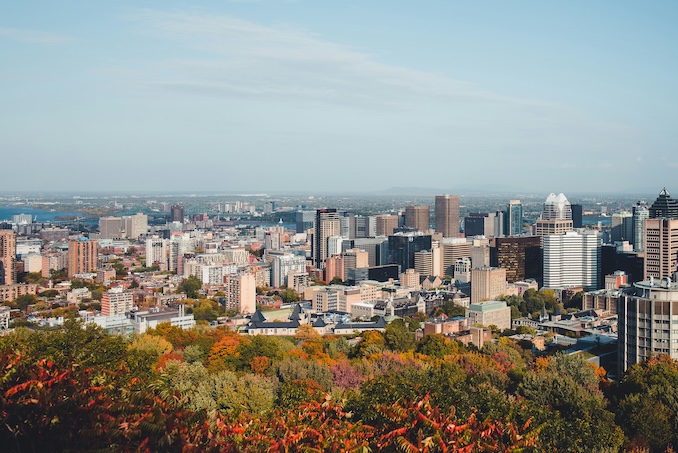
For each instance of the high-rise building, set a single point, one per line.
(487, 283)
(111, 227)
(240, 293)
(556, 217)
(403, 246)
(7, 257)
(376, 248)
(156, 252)
(82, 256)
(572, 259)
(305, 220)
(417, 217)
(135, 225)
(115, 302)
(520, 256)
(514, 218)
(621, 227)
(661, 247)
(577, 215)
(410, 279)
(489, 313)
(386, 224)
(177, 213)
(474, 224)
(664, 206)
(640, 213)
(427, 262)
(647, 316)
(447, 215)
(451, 249)
(327, 224)
(282, 265)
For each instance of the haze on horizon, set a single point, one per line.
(264, 96)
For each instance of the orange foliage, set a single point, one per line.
(223, 349)
(260, 364)
(163, 359)
(541, 363)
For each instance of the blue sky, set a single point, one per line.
(339, 96)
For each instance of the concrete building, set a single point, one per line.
(157, 252)
(177, 214)
(54, 261)
(240, 292)
(489, 313)
(556, 217)
(13, 291)
(305, 220)
(664, 206)
(403, 246)
(327, 225)
(621, 227)
(451, 250)
(4, 318)
(661, 248)
(418, 218)
(616, 280)
(647, 315)
(7, 257)
(447, 215)
(111, 228)
(428, 262)
(82, 256)
(386, 224)
(410, 279)
(475, 224)
(487, 283)
(135, 225)
(115, 301)
(283, 265)
(572, 259)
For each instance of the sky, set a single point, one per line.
(341, 96)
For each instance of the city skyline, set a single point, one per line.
(528, 96)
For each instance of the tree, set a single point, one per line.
(191, 285)
(398, 337)
(336, 281)
(435, 345)
(22, 302)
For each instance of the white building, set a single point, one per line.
(115, 301)
(572, 259)
(282, 265)
(156, 252)
(492, 312)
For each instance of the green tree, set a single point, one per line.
(191, 285)
(435, 345)
(398, 337)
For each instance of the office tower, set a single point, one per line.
(116, 302)
(474, 224)
(647, 316)
(179, 246)
(282, 265)
(354, 259)
(661, 247)
(621, 227)
(514, 218)
(156, 252)
(487, 283)
(22, 219)
(240, 293)
(498, 224)
(577, 216)
(427, 262)
(572, 259)
(305, 220)
(640, 213)
(376, 248)
(480, 255)
(110, 228)
(451, 250)
(447, 215)
(520, 256)
(556, 217)
(386, 224)
(403, 246)
(664, 206)
(135, 225)
(7, 257)
(417, 217)
(346, 224)
(177, 213)
(327, 224)
(82, 256)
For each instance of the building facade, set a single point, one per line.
(82, 256)
(447, 215)
(572, 259)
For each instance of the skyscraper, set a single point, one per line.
(177, 213)
(82, 256)
(514, 218)
(327, 224)
(487, 283)
(577, 216)
(305, 220)
(640, 213)
(520, 256)
(7, 257)
(417, 217)
(572, 259)
(447, 215)
(386, 224)
(474, 224)
(556, 217)
(661, 247)
(664, 206)
(403, 246)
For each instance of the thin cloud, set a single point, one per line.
(33, 36)
(282, 61)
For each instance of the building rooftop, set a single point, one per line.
(488, 305)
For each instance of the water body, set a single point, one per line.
(6, 213)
